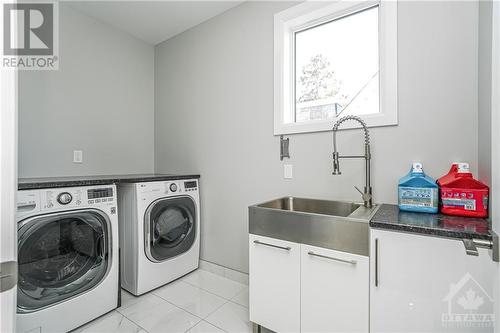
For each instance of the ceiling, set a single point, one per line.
(153, 21)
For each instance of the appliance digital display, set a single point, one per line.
(191, 184)
(100, 193)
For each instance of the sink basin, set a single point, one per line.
(337, 225)
(325, 207)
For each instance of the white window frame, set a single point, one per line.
(312, 13)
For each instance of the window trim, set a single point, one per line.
(312, 13)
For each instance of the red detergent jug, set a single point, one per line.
(461, 194)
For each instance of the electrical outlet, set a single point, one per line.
(288, 171)
(77, 156)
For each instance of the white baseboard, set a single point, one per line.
(224, 271)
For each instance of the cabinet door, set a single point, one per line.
(334, 291)
(274, 283)
(427, 284)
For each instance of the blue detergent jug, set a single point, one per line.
(418, 192)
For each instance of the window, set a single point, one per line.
(335, 59)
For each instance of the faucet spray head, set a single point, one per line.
(336, 164)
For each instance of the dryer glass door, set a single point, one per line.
(60, 256)
(170, 227)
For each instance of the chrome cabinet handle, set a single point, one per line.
(376, 262)
(470, 247)
(287, 248)
(352, 262)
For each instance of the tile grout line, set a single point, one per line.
(205, 290)
(223, 330)
(211, 292)
(133, 322)
(238, 304)
(202, 318)
(239, 293)
(124, 316)
(226, 301)
(178, 307)
(142, 328)
(229, 301)
(148, 293)
(170, 304)
(223, 269)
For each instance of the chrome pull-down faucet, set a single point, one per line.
(367, 193)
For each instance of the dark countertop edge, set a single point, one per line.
(41, 183)
(389, 217)
(428, 231)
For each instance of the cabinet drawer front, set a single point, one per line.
(274, 283)
(334, 291)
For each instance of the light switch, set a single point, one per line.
(288, 171)
(77, 156)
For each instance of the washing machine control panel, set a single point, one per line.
(191, 185)
(59, 198)
(64, 198)
(31, 201)
(27, 202)
(71, 197)
(99, 195)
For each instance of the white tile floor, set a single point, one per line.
(201, 302)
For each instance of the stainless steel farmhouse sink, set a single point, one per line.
(324, 207)
(337, 225)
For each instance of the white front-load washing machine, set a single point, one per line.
(159, 232)
(67, 257)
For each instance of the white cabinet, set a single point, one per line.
(334, 291)
(297, 287)
(427, 284)
(275, 283)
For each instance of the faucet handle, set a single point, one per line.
(357, 188)
(366, 196)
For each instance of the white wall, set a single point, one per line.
(101, 100)
(214, 115)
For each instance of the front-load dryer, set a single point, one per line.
(67, 257)
(159, 232)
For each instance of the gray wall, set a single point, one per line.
(484, 91)
(214, 115)
(101, 101)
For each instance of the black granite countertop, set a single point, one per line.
(391, 218)
(54, 182)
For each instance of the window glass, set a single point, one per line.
(337, 68)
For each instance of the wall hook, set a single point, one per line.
(284, 147)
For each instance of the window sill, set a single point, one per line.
(373, 120)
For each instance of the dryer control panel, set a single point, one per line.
(168, 187)
(180, 186)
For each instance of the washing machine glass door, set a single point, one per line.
(170, 227)
(61, 255)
